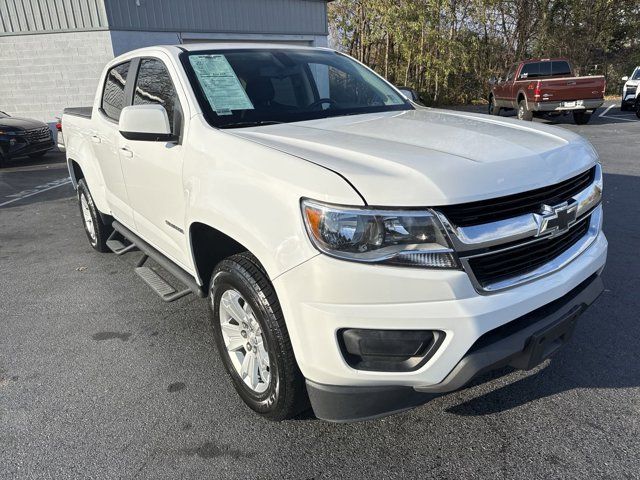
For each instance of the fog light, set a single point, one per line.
(388, 350)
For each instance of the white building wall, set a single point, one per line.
(42, 74)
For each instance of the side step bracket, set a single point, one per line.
(150, 276)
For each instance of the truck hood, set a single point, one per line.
(430, 157)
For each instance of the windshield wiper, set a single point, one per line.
(256, 123)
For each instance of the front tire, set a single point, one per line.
(493, 108)
(624, 107)
(252, 339)
(523, 112)
(97, 231)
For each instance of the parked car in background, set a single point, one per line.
(23, 136)
(629, 90)
(546, 86)
(358, 251)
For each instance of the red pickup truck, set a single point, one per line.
(546, 86)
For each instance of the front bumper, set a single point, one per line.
(522, 343)
(323, 296)
(17, 146)
(562, 107)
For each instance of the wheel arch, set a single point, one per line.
(208, 247)
(522, 96)
(75, 172)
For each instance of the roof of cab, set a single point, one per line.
(194, 47)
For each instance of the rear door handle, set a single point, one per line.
(571, 83)
(126, 152)
(95, 139)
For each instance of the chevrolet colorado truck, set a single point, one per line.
(546, 86)
(359, 253)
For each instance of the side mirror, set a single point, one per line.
(624, 79)
(409, 93)
(146, 123)
(493, 81)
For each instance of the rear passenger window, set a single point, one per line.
(154, 86)
(113, 95)
(560, 68)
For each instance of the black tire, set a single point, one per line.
(38, 154)
(523, 112)
(285, 395)
(624, 107)
(638, 110)
(101, 229)
(493, 108)
(581, 117)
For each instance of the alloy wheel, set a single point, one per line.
(244, 341)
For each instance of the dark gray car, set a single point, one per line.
(23, 136)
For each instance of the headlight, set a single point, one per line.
(404, 237)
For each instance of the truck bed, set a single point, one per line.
(84, 112)
(572, 88)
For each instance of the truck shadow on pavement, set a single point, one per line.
(604, 352)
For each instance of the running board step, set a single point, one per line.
(117, 247)
(160, 286)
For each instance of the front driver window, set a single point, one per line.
(154, 86)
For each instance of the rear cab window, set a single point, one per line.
(113, 95)
(560, 69)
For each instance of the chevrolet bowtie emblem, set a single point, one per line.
(556, 219)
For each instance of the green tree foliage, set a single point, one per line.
(448, 49)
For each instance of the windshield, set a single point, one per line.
(245, 87)
(636, 75)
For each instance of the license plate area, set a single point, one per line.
(545, 342)
(573, 104)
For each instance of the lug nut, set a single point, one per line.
(243, 333)
(248, 347)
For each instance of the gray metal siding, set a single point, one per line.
(230, 16)
(40, 16)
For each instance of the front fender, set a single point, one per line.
(252, 194)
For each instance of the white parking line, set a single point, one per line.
(606, 111)
(15, 197)
(615, 117)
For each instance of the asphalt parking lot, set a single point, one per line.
(101, 379)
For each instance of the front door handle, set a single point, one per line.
(571, 83)
(95, 139)
(126, 152)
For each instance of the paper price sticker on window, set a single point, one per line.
(220, 84)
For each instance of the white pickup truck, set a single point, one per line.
(360, 253)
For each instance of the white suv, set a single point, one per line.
(629, 90)
(358, 251)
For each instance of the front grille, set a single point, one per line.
(485, 211)
(37, 134)
(506, 264)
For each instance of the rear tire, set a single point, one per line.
(581, 118)
(523, 112)
(97, 231)
(244, 308)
